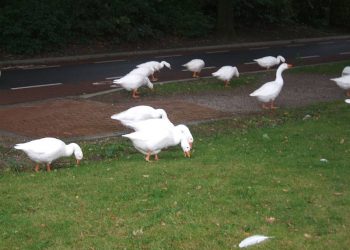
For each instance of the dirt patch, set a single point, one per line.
(65, 118)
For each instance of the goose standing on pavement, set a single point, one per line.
(195, 66)
(269, 61)
(226, 73)
(139, 113)
(343, 82)
(46, 150)
(132, 82)
(155, 66)
(268, 92)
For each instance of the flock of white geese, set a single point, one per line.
(153, 131)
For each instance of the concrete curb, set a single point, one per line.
(151, 52)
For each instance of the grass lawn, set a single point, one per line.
(252, 175)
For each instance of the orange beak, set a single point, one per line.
(187, 154)
(290, 66)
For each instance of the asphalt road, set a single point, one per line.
(32, 82)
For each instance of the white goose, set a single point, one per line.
(195, 66)
(346, 71)
(46, 150)
(269, 61)
(133, 82)
(151, 140)
(270, 90)
(155, 66)
(162, 124)
(226, 73)
(145, 71)
(139, 113)
(344, 83)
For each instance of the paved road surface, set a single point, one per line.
(34, 82)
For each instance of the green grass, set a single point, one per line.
(324, 69)
(242, 172)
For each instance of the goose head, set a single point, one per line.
(162, 113)
(281, 59)
(185, 132)
(236, 71)
(164, 63)
(75, 149)
(186, 148)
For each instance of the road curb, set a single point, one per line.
(91, 57)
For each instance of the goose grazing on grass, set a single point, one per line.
(269, 61)
(155, 66)
(270, 90)
(151, 140)
(195, 66)
(139, 113)
(162, 124)
(46, 150)
(344, 83)
(226, 73)
(132, 82)
(346, 71)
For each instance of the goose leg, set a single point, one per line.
(272, 106)
(48, 167)
(134, 94)
(194, 75)
(37, 168)
(264, 106)
(226, 83)
(156, 158)
(348, 93)
(148, 156)
(154, 78)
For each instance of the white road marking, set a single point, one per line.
(111, 61)
(247, 63)
(29, 67)
(258, 48)
(345, 53)
(308, 57)
(37, 86)
(217, 52)
(113, 77)
(166, 56)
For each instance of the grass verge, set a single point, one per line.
(255, 175)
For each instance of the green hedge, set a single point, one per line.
(34, 26)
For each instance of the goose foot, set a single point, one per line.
(154, 79)
(264, 106)
(134, 94)
(147, 157)
(272, 106)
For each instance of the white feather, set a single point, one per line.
(347, 101)
(252, 240)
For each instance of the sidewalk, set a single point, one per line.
(77, 118)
